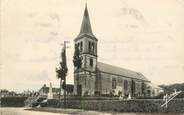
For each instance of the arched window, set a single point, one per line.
(113, 83)
(89, 46)
(78, 46)
(91, 62)
(92, 47)
(81, 46)
(125, 84)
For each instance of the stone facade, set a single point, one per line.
(85, 82)
(122, 84)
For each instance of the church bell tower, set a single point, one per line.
(85, 77)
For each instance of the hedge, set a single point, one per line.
(13, 101)
(138, 105)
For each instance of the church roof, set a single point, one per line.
(120, 71)
(86, 25)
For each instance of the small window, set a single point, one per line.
(113, 83)
(91, 62)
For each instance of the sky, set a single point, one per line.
(146, 36)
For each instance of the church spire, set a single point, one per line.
(86, 25)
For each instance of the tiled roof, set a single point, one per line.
(120, 71)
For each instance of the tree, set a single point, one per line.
(76, 58)
(169, 89)
(77, 63)
(62, 70)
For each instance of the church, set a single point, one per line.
(97, 78)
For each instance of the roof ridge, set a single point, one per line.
(120, 71)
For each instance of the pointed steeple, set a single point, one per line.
(86, 25)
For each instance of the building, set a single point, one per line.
(51, 92)
(153, 90)
(46, 91)
(97, 78)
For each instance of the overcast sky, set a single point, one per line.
(141, 35)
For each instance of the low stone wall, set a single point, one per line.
(139, 105)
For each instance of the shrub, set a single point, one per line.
(13, 101)
(137, 105)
